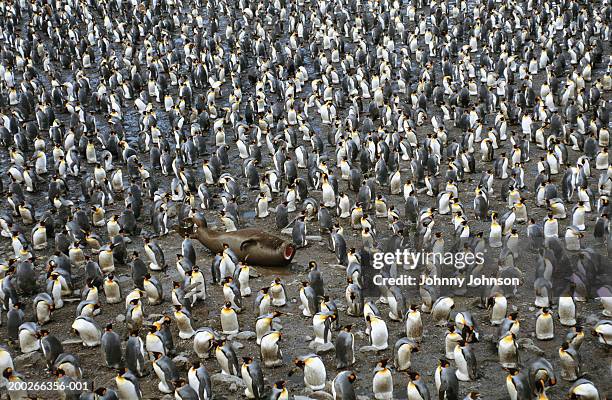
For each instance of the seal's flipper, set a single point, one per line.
(246, 243)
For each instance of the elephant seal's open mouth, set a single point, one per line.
(289, 251)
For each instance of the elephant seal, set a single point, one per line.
(252, 246)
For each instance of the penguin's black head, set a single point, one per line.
(179, 383)
(109, 327)
(247, 360)
(413, 375)
(512, 371)
(8, 371)
(444, 362)
(101, 391)
(279, 384)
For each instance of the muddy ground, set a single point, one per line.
(597, 363)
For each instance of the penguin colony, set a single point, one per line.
(377, 124)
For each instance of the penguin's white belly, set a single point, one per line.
(393, 308)
(414, 328)
(499, 311)
(320, 336)
(162, 386)
(245, 289)
(223, 363)
(567, 311)
(126, 391)
(544, 328)
(383, 385)
(155, 345)
(507, 354)
(495, 236)
(56, 294)
(28, 342)
(202, 344)
(227, 268)
(193, 382)
(413, 392)
(462, 368)
(315, 374)
(112, 293)
(329, 198)
(42, 312)
(229, 323)
(306, 311)
(87, 332)
(511, 389)
(404, 355)
(185, 329)
(201, 288)
(262, 209)
(379, 336)
(551, 230)
(151, 292)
